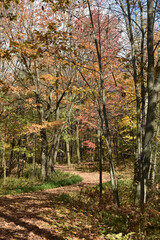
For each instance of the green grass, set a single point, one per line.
(24, 184)
(64, 197)
(121, 183)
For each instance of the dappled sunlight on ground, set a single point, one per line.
(24, 216)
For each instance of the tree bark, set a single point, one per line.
(41, 117)
(4, 163)
(68, 153)
(153, 87)
(100, 144)
(11, 156)
(44, 154)
(34, 153)
(18, 158)
(77, 143)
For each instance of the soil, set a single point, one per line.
(22, 216)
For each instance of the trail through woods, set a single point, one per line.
(35, 215)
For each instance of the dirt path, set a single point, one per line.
(23, 216)
(89, 178)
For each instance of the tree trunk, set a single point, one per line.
(100, 144)
(11, 156)
(34, 153)
(4, 163)
(77, 144)
(103, 105)
(54, 152)
(153, 87)
(44, 154)
(113, 178)
(68, 153)
(154, 163)
(56, 149)
(155, 157)
(18, 158)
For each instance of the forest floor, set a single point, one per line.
(38, 215)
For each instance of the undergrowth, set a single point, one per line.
(91, 167)
(110, 222)
(31, 182)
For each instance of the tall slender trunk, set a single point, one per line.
(34, 153)
(43, 134)
(68, 153)
(155, 155)
(18, 158)
(25, 155)
(129, 26)
(138, 109)
(154, 161)
(4, 163)
(153, 87)
(55, 145)
(104, 111)
(100, 144)
(112, 169)
(143, 89)
(54, 151)
(11, 156)
(77, 144)
(44, 154)
(142, 117)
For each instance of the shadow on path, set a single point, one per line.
(24, 216)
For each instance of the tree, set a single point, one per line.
(146, 94)
(36, 62)
(153, 86)
(98, 53)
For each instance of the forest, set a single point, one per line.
(79, 87)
